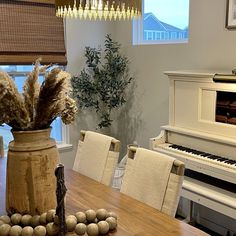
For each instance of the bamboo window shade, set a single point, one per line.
(30, 29)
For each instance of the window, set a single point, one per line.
(163, 21)
(18, 73)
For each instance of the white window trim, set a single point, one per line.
(65, 144)
(137, 34)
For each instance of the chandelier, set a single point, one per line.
(99, 9)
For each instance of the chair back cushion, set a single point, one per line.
(94, 159)
(146, 177)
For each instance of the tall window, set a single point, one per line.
(18, 73)
(163, 21)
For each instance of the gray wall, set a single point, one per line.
(210, 46)
(79, 34)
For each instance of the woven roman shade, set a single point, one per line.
(29, 29)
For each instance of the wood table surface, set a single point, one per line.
(134, 217)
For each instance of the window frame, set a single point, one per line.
(137, 33)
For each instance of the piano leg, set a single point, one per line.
(189, 219)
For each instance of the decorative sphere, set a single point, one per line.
(15, 230)
(72, 216)
(90, 215)
(2, 222)
(71, 223)
(112, 214)
(5, 219)
(16, 218)
(80, 229)
(5, 229)
(101, 214)
(40, 231)
(92, 229)
(35, 221)
(81, 217)
(112, 222)
(50, 215)
(27, 231)
(103, 227)
(43, 218)
(25, 220)
(52, 229)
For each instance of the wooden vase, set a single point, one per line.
(31, 182)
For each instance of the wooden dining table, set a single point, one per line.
(134, 218)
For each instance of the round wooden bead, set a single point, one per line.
(112, 214)
(2, 222)
(35, 221)
(52, 229)
(103, 227)
(101, 214)
(5, 219)
(90, 215)
(25, 220)
(40, 231)
(27, 231)
(92, 229)
(16, 218)
(5, 229)
(72, 216)
(71, 222)
(43, 218)
(50, 215)
(112, 222)
(81, 217)
(80, 229)
(15, 230)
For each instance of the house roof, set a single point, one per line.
(151, 22)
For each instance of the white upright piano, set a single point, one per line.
(202, 133)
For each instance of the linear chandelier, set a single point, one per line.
(99, 9)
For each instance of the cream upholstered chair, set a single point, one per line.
(153, 178)
(97, 156)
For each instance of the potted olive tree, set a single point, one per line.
(103, 83)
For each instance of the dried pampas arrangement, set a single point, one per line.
(38, 106)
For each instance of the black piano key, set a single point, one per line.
(205, 154)
(229, 162)
(222, 159)
(213, 157)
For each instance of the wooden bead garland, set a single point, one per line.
(91, 222)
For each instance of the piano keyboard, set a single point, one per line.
(214, 159)
(206, 163)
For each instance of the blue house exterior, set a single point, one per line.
(154, 29)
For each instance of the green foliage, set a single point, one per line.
(102, 84)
